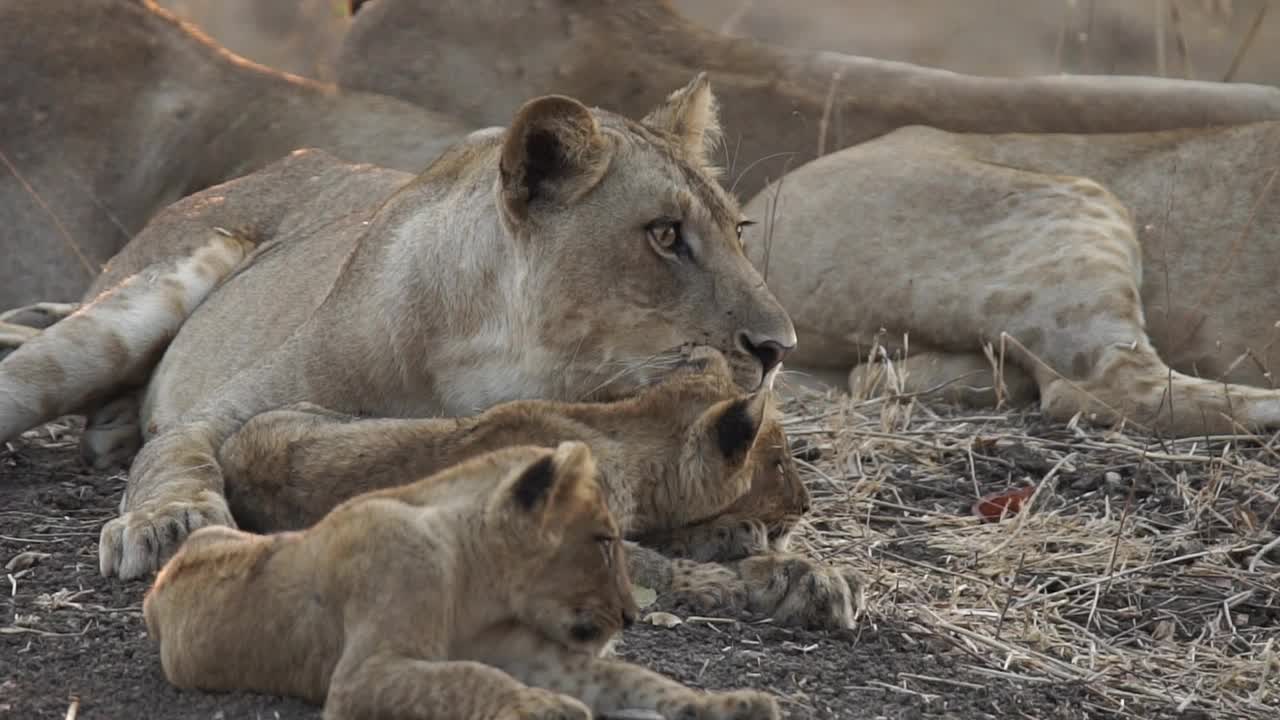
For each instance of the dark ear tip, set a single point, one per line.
(534, 482)
(737, 427)
(542, 108)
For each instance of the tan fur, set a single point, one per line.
(100, 130)
(112, 340)
(667, 476)
(479, 59)
(1137, 270)
(13, 336)
(523, 263)
(485, 591)
(679, 453)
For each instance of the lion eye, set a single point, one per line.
(666, 236)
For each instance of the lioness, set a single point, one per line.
(1135, 273)
(547, 260)
(484, 591)
(113, 109)
(784, 106)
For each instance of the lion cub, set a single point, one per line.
(484, 591)
(696, 472)
(693, 458)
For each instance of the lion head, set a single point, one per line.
(747, 430)
(613, 242)
(572, 585)
(641, 246)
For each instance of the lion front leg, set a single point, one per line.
(791, 589)
(795, 590)
(396, 687)
(611, 686)
(175, 487)
(614, 686)
(717, 540)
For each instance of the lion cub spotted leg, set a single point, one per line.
(792, 589)
(112, 340)
(610, 686)
(721, 539)
(398, 687)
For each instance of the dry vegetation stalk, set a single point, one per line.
(1145, 569)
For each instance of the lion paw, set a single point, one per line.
(139, 541)
(733, 705)
(706, 588)
(797, 591)
(538, 704)
(717, 541)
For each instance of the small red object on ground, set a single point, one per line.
(1007, 503)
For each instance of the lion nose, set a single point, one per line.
(768, 352)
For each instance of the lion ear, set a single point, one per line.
(549, 485)
(690, 115)
(730, 428)
(553, 152)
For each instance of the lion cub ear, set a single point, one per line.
(690, 115)
(732, 426)
(550, 485)
(553, 152)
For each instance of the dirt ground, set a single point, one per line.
(1171, 604)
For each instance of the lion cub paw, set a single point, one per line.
(141, 540)
(797, 591)
(717, 541)
(538, 704)
(706, 588)
(733, 705)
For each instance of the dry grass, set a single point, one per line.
(1147, 570)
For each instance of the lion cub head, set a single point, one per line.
(735, 435)
(571, 581)
(764, 518)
